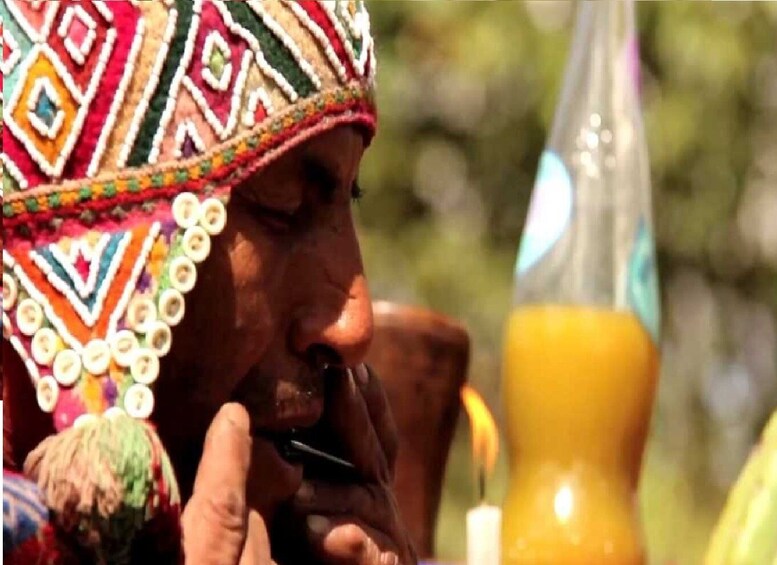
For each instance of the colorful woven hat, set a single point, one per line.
(126, 123)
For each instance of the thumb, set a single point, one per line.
(216, 519)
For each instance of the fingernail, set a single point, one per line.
(306, 492)
(318, 525)
(351, 380)
(236, 415)
(362, 374)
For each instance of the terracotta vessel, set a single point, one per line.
(421, 357)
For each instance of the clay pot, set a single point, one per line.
(421, 357)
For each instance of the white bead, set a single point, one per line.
(29, 316)
(84, 420)
(96, 357)
(186, 210)
(67, 367)
(141, 313)
(10, 292)
(213, 216)
(123, 346)
(45, 345)
(139, 401)
(145, 366)
(196, 244)
(47, 393)
(183, 274)
(114, 412)
(159, 339)
(171, 307)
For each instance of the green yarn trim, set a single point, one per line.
(181, 176)
(144, 140)
(277, 54)
(31, 204)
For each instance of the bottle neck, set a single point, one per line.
(604, 63)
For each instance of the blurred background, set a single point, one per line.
(466, 94)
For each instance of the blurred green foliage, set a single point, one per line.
(467, 91)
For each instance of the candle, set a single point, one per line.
(484, 522)
(484, 525)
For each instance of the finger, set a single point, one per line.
(215, 519)
(372, 504)
(345, 541)
(350, 421)
(256, 550)
(378, 407)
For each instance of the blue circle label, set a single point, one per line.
(643, 282)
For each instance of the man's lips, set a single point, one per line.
(281, 404)
(286, 415)
(281, 407)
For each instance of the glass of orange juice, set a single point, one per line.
(581, 355)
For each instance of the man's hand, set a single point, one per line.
(357, 523)
(218, 528)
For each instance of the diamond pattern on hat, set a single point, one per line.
(78, 31)
(84, 38)
(219, 65)
(217, 62)
(42, 112)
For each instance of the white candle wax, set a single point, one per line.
(484, 534)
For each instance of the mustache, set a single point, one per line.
(320, 366)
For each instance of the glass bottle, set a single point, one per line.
(581, 354)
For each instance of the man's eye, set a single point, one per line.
(357, 192)
(277, 218)
(319, 176)
(272, 217)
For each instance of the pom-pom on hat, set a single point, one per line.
(126, 124)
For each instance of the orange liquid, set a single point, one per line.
(578, 386)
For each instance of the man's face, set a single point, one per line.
(282, 292)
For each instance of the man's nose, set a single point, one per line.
(343, 323)
(336, 310)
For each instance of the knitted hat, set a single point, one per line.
(126, 124)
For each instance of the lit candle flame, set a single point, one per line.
(485, 439)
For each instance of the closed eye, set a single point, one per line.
(319, 175)
(277, 219)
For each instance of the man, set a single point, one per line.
(181, 268)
